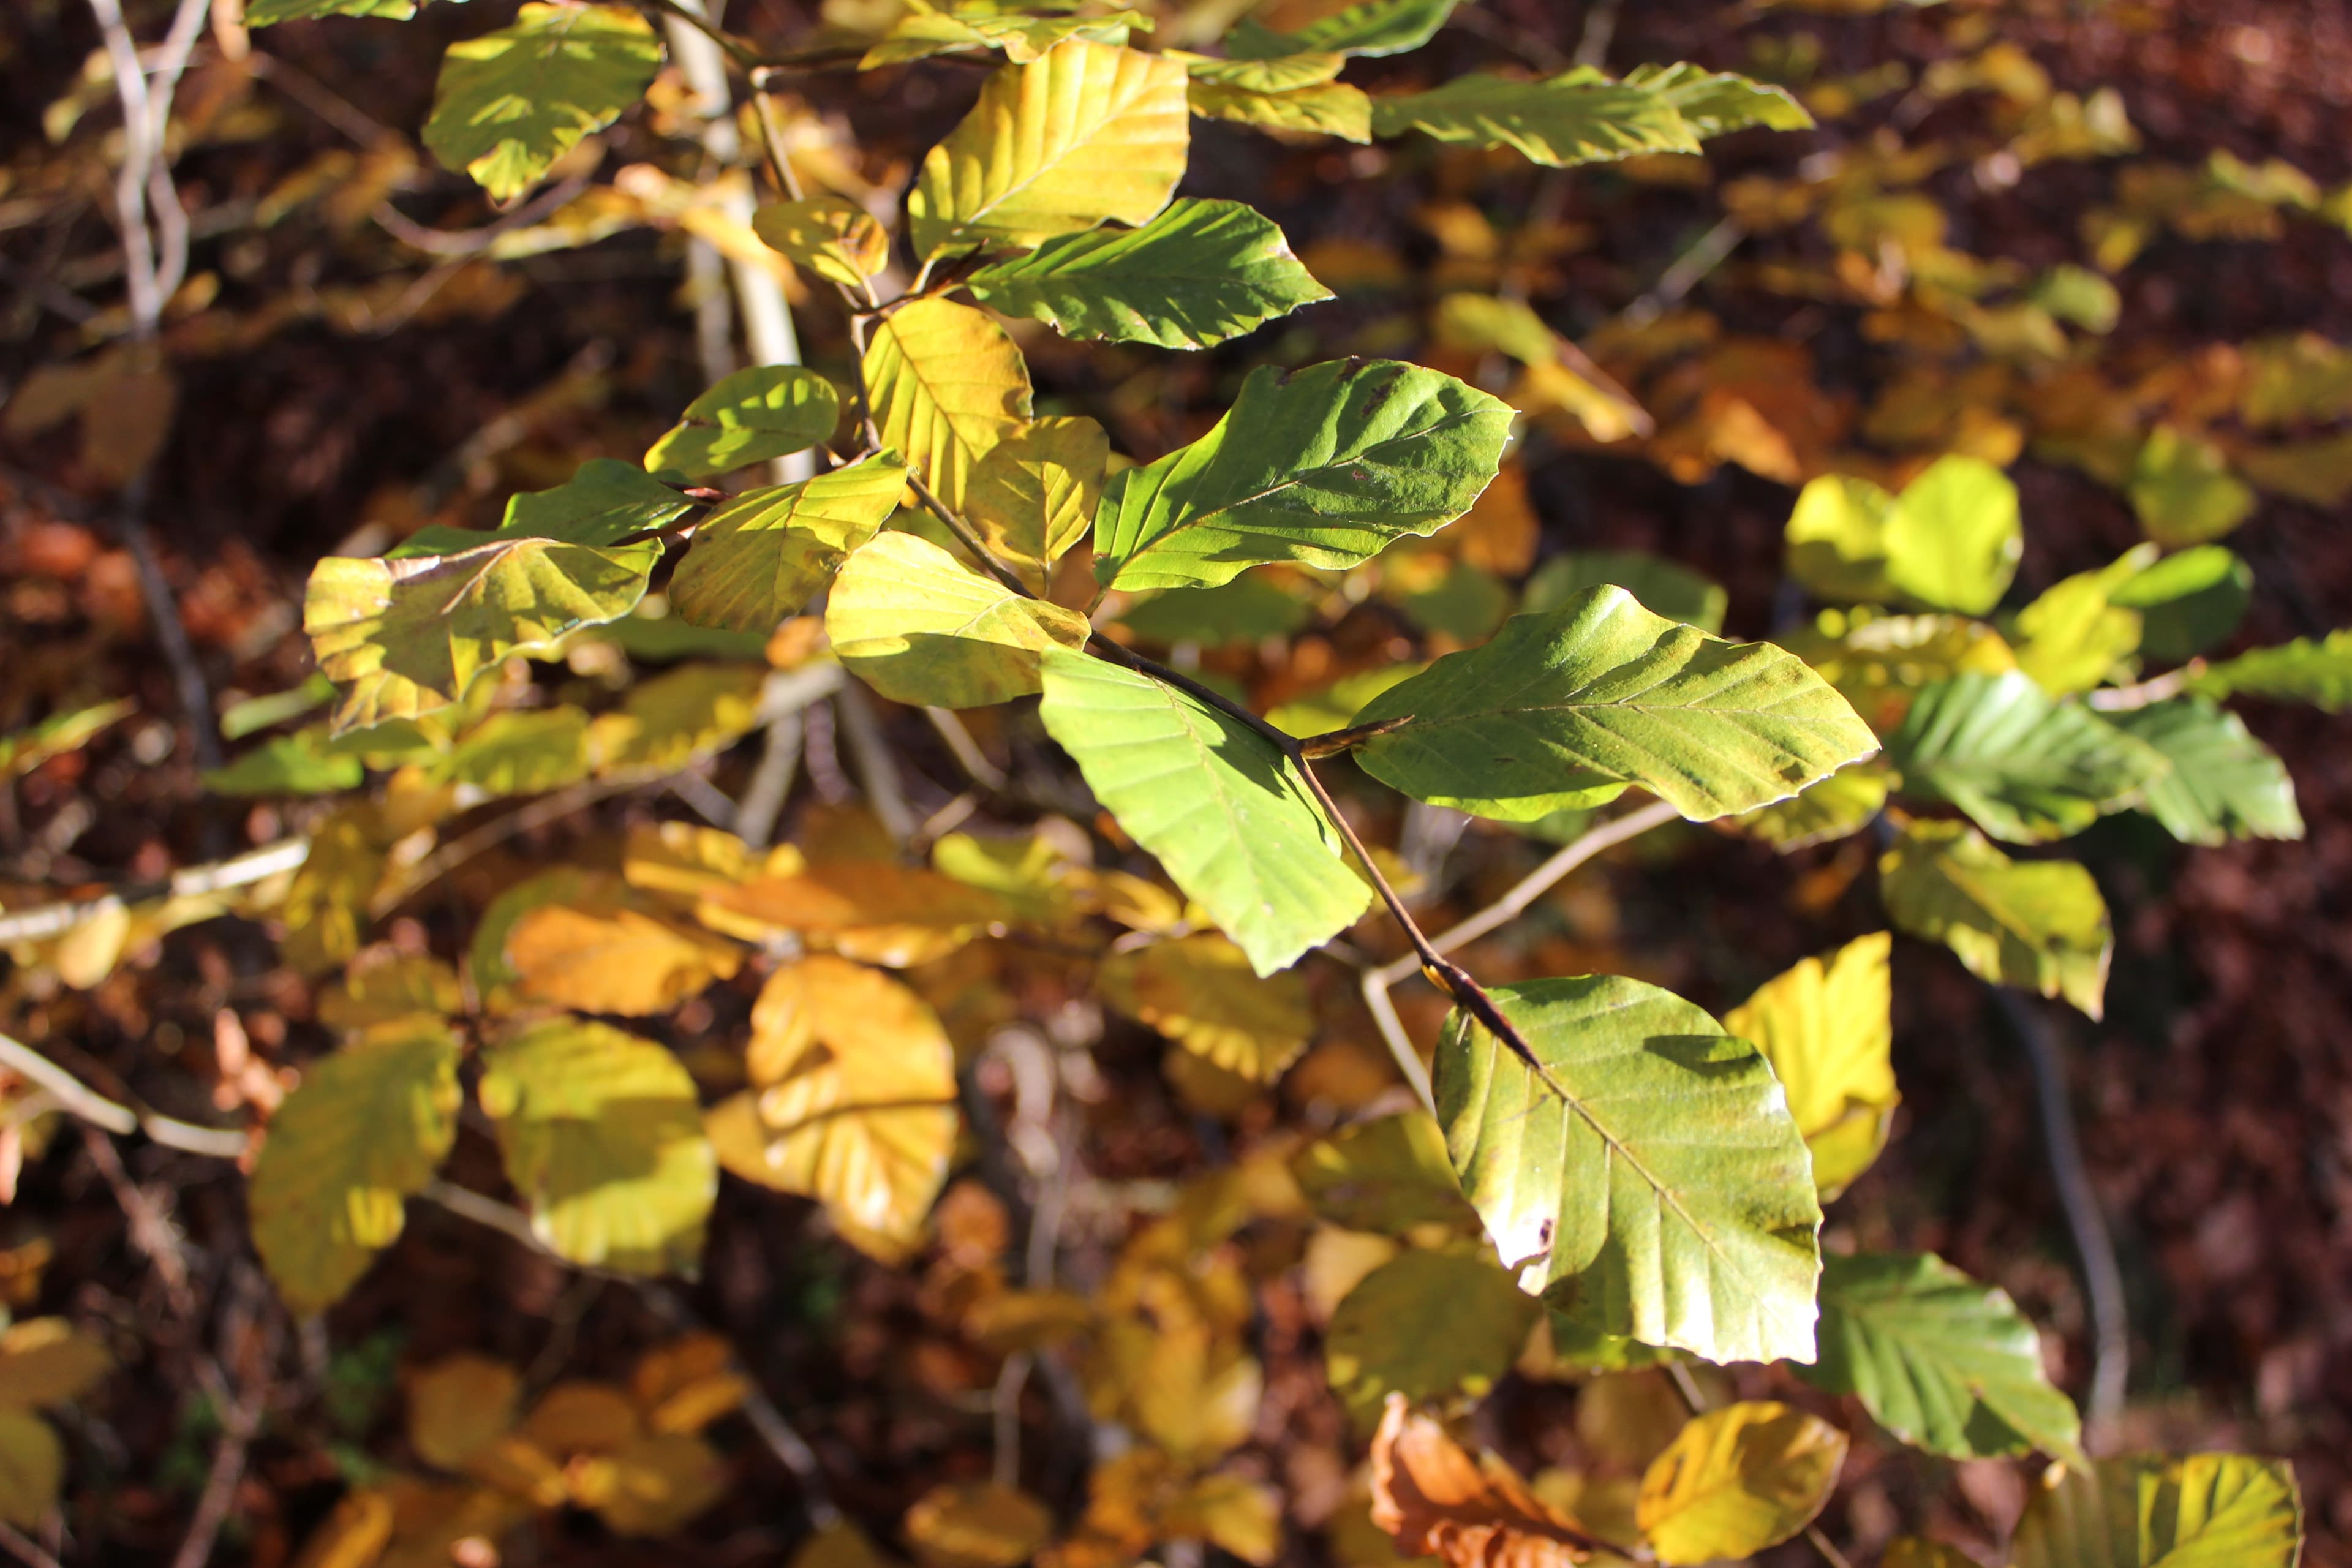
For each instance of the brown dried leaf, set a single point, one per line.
(1436, 1501)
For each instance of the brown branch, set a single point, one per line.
(465, 242)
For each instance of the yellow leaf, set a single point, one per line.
(383, 983)
(48, 1361)
(1032, 495)
(32, 1468)
(977, 1524)
(1326, 108)
(327, 907)
(946, 385)
(430, 1520)
(353, 1536)
(1011, 1321)
(653, 1484)
(867, 910)
(616, 961)
(834, 237)
(764, 554)
(838, 1545)
(1201, 992)
(682, 861)
(1229, 1511)
(1086, 133)
(365, 1131)
(1878, 663)
(459, 1406)
(603, 1137)
(1736, 1480)
(852, 1103)
(1389, 1175)
(914, 623)
(580, 1417)
(669, 720)
(1826, 1027)
(687, 1385)
(1193, 1395)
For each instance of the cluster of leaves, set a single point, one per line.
(1610, 1184)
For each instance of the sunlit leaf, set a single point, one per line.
(1645, 1171)
(263, 13)
(925, 32)
(1714, 103)
(1426, 1325)
(1227, 814)
(1950, 540)
(618, 960)
(1736, 1480)
(1663, 587)
(1086, 133)
(681, 714)
(362, 1132)
(1826, 1027)
(1199, 273)
(522, 752)
(2189, 602)
(870, 910)
(1566, 708)
(1369, 27)
(2072, 636)
(767, 411)
(1326, 466)
(2024, 767)
(299, 763)
(1389, 1175)
(55, 736)
(2040, 925)
(510, 102)
(1325, 108)
(2207, 1511)
(1032, 495)
(1436, 1501)
(853, 1101)
(2182, 488)
(2317, 671)
(947, 384)
(384, 984)
(977, 1524)
(1333, 707)
(1577, 117)
(1825, 809)
(1201, 992)
(2223, 783)
(408, 633)
(832, 237)
(604, 1142)
(1881, 663)
(919, 626)
(1943, 1363)
(764, 554)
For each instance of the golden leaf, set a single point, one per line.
(1736, 1480)
(834, 239)
(459, 1406)
(1032, 495)
(687, 1385)
(977, 1525)
(618, 960)
(1201, 992)
(869, 910)
(1826, 1027)
(947, 384)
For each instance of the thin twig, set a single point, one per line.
(878, 770)
(24, 1549)
(1686, 272)
(78, 1099)
(45, 920)
(1382, 1008)
(239, 1421)
(771, 781)
(463, 242)
(965, 749)
(2155, 689)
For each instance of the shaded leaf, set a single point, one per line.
(2182, 488)
(877, 912)
(1880, 663)
(1826, 1025)
(1736, 1480)
(919, 627)
(1664, 588)
(459, 1406)
(684, 713)
(2189, 602)
(832, 237)
(764, 412)
(48, 1361)
(1326, 466)
(263, 13)
(1825, 809)
(1325, 108)
(384, 984)
(362, 1132)
(2208, 1511)
(2040, 925)
(522, 753)
(32, 1468)
(1199, 273)
(1200, 992)
(977, 1524)
(2223, 783)
(1389, 1176)
(1646, 1174)
(58, 734)
(1227, 814)
(1248, 609)
(1427, 1325)
(1566, 708)
(602, 1139)
(765, 553)
(947, 384)
(2024, 767)
(965, 28)
(1369, 27)
(299, 763)
(1942, 1362)
(1086, 133)
(510, 102)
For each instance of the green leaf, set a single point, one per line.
(250, 715)
(1199, 273)
(1736, 1480)
(1389, 1175)
(1950, 540)
(2223, 785)
(2024, 766)
(764, 554)
(1332, 707)
(59, 734)
(2040, 925)
(1577, 117)
(1033, 494)
(409, 633)
(2208, 1511)
(602, 1139)
(2306, 671)
(965, 29)
(362, 1133)
(1326, 109)
(1276, 73)
(1086, 133)
(299, 763)
(684, 713)
(2072, 636)
(1946, 1364)
(1370, 27)
(1247, 609)
(1646, 1172)
(751, 417)
(947, 384)
(1664, 588)
(32, 1468)
(1326, 466)
(1568, 708)
(2182, 488)
(1826, 1025)
(522, 753)
(1716, 103)
(2078, 295)
(264, 12)
(1465, 603)
(512, 103)
(2189, 602)
(1227, 814)
(1427, 1325)
(920, 628)
(1825, 809)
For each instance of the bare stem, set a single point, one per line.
(78, 1099)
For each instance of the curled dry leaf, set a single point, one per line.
(1436, 1501)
